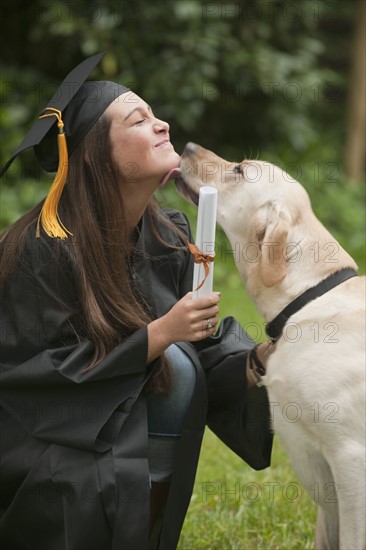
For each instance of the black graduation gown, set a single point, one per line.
(74, 472)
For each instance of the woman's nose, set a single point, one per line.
(161, 126)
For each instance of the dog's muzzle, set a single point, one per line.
(186, 191)
(189, 149)
(180, 182)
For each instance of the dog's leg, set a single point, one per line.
(326, 535)
(327, 524)
(349, 476)
(316, 477)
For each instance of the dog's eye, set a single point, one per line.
(238, 169)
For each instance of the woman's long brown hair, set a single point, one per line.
(92, 208)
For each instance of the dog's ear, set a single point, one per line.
(272, 264)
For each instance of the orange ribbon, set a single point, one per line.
(200, 258)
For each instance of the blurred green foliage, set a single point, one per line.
(262, 79)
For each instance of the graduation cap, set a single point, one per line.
(75, 106)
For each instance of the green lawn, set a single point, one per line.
(234, 507)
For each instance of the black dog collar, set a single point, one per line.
(275, 327)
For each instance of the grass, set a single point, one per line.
(234, 507)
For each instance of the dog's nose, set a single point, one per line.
(189, 149)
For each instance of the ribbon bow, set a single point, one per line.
(200, 258)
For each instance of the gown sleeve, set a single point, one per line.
(45, 382)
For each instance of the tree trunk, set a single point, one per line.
(356, 117)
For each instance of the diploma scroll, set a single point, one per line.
(205, 239)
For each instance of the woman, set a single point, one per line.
(104, 395)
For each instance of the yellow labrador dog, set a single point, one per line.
(305, 285)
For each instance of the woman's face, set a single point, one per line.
(141, 146)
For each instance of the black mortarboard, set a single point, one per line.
(75, 106)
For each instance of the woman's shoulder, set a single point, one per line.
(43, 270)
(178, 218)
(42, 249)
(28, 253)
(166, 227)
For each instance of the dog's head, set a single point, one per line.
(265, 213)
(257, 204)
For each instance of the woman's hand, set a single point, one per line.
(187, 321)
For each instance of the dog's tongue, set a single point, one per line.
(172, 174)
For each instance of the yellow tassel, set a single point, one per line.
(48, 217)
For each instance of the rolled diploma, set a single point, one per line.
(205, 238)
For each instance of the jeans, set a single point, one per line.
(166, 414)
